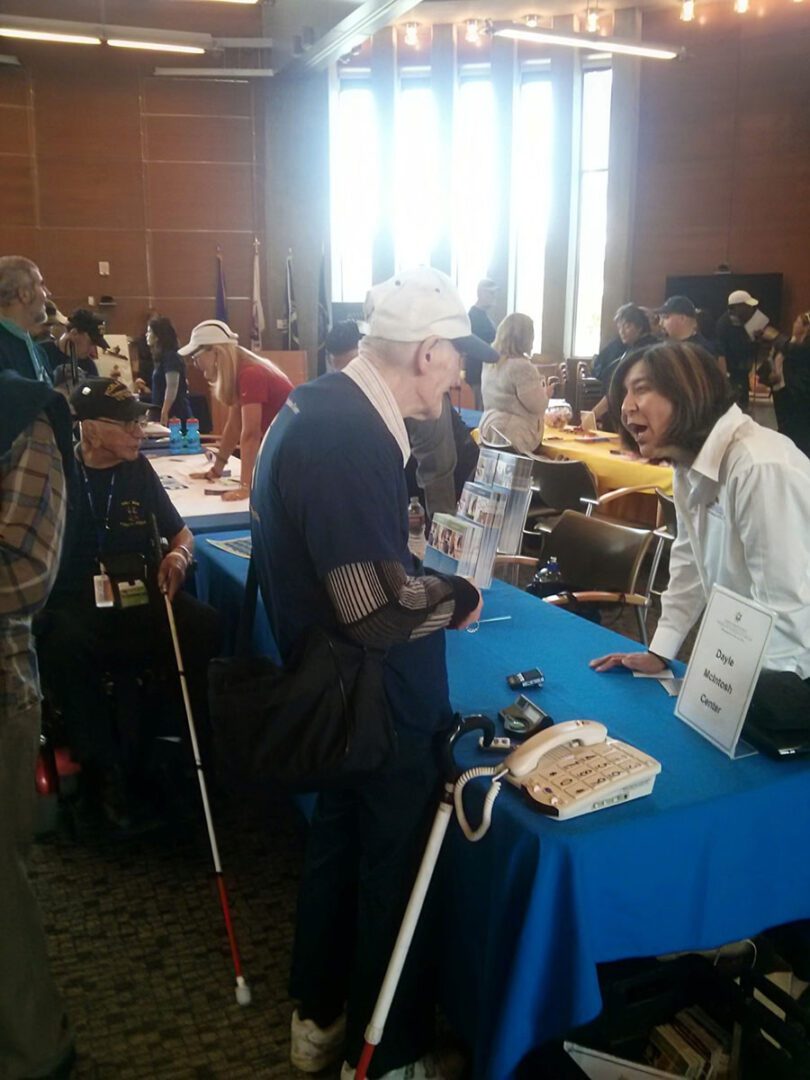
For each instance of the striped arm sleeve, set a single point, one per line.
(32, 518)
(378, 605)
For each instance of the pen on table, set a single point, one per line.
(473, 627)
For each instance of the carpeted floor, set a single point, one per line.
(140, 951)
(139, 948)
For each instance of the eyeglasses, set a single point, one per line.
(131, 427)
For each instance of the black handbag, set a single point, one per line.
(321, 720)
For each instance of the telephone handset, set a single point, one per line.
(523, 760)
(575, 767)
(567, 770)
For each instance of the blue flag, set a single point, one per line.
(221, 308)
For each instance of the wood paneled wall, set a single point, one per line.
(101, 161)
(724, 151)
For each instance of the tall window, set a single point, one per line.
(416, 178)
(592, 217)
(475, 187)
(354, 188)
(531, 197)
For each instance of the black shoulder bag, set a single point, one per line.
(321, 720)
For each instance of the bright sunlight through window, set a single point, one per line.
(592, 218)
(475, 189)
(417, 194)
(531, 197)
(354, 184)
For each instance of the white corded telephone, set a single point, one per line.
(569, 769)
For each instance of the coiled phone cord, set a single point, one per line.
(486, 815)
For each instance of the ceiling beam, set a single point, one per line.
(362, 23)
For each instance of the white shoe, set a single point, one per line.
(425, 1068)
(313, 1049)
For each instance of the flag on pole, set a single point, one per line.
(257, 323)
(324, 315)
(221, 306)
(293, 341)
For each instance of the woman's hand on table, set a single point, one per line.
(236, 494)
(645, 662)
(209, 474)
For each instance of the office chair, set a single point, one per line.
(565, 485)
(600, 562)
(666, 532)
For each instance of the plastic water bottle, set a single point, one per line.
(175, 435)
(192, 433)
(416, 528)
(547, 580)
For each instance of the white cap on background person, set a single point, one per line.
(208, 333)
(740, 296)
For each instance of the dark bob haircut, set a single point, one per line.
(166, 335)
(635, 315)
(689, 378)
(342, 338)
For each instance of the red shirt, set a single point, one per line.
(259, 385)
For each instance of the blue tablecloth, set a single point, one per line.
(471, 417)
(716, 853)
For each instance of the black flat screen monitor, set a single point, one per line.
(711, 291)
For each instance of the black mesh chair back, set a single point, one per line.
(596, 555)
(562, 485)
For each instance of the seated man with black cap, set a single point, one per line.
(105, 613)
(77, 344)
(679, 318)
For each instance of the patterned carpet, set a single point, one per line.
(139, 948)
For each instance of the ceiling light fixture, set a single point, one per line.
(688, 11)
(592, 20)
(473, 33)
(741, 6)
(583, 41)
(531, 21)
(45, 35)
(215, 73)
(412, 35)
(155, 46)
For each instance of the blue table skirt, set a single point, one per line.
(718, 852)
(471, 417)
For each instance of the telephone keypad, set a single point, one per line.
(568, 774)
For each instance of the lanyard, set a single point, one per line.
(101, 528)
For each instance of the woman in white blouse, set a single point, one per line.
(513, 390)
(742, 496)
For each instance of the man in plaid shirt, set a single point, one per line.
(35, 1039)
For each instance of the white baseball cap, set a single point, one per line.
(420, 304)
(740, 296)
(210, 332)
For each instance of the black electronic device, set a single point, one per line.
(711, 292)
(523, 680)
(524, 718)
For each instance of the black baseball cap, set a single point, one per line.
(106, 399)
(678, 305)
(83, 320)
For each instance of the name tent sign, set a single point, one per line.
(724, 668)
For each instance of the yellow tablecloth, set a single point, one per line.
(610, 468)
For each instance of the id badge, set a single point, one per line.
(133, 593)
(103, 590)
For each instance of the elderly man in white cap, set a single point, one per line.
(330, 541)
(736, 348)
